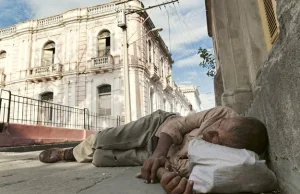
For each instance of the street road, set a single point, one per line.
(22, 173)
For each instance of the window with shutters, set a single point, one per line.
(269, 6)
(104, 44)
(269, 21)
(104, 93)
(48, 54)
(2, 59)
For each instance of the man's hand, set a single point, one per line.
(174, 184)
(151, 166)
(158, 159)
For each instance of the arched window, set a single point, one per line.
(149, 51)
(104, 44)
(165, 105)
(104, 93)
(48, 54)
(2, 59)
(46, 108)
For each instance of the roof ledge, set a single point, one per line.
(208, 17)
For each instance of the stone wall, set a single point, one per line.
(218, 87)
(277, 100)
(240, 49)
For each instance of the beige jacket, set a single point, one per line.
(184, 129)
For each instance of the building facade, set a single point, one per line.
(243, 34)
(192, 94)
(76, 59)
(257, 49)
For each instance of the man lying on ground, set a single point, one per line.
(161, 140)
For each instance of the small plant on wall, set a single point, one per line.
(208, 61)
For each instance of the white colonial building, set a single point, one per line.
(192, 94)
(76, 59)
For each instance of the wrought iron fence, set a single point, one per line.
(23, 110)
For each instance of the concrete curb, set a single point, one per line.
(31, 148)
(17, 135)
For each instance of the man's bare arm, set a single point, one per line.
(164, 143)
(158, 159)
(180, 126)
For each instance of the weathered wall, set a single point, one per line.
(240, 43)
(218, 88)
(277, 100)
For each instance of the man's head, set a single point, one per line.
(240, 132)
(190, 106)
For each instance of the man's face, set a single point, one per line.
(218, 133)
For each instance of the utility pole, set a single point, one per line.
(122, 23)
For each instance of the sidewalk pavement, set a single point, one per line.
(22, 173)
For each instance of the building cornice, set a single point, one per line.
(191, 89)
(61, 19)
(208, 4)
(162, 43)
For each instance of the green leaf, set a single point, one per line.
(208, 61)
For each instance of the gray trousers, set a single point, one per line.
(126, 145)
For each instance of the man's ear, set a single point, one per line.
(214, 137)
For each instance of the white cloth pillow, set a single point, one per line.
(220, 169)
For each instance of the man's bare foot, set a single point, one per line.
(56, 155)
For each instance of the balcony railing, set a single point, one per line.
(101, 9)
(168, 84)
(101, 64)
(154, 72)
(50, 21)
(45, 72)
(7, 31)
(33, 25)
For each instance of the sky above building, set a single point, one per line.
(184, 25)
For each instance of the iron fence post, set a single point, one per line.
(0, 104)
(1, 123)
(86, 118)
(118, 120)
(8, 108)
